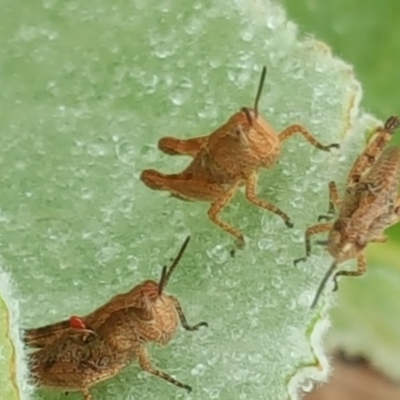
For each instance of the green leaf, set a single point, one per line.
(87, 91)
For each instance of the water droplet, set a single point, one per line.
(150, 84)
(177, 218)
(49, 3)
(209, 112)
(213, 393)
(52, 35)
(247, 35)
(69, 67)
(219, 254)
(4, 218)
(163, 52)
(320, 67)
(86, 194)
(265, 244)
(195, 26)
(20, 165)
(125, 152)
(107, 253)
(297, 202)
(181, 92)
(215, 61)
(297, 71)
(97, 149)
(236, 334)
(51, 87)
(241, 78)
(319, 90)
(307, 385)
(163, 46)
(165, 7)
(272, 22)
(177, 98)
(277, 281)
(305, 298)
(199, 370)
(133, 263)
(63, 265)
(240, 374)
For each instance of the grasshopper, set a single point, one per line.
(225, 160)
(369, 206)
(75, 354)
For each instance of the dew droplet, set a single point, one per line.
(297, 71)
(219, 254)
(247, 35)
(177, 218)
(107, 253)
(265, 244)
(86, 194)
(213, 394)
(276, 282)
(240, 374)
(305, 298)
(236, 334)
(150, 84)
(199, 370)
(133, 263)
(163, 52)
(97, 149)
(273, 22)
(125, 152)
(307, 385)
(195, 26)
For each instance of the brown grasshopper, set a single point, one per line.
(370, 205)
(78, 353)
(225, 160)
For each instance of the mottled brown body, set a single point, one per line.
(43, 336)
(114, 335)
(370, 205)
(225, 160)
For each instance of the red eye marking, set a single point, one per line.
(77, 322)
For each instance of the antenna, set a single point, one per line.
(166, 274)
(323, 283)
(260, 88)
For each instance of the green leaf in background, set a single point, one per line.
(365, 320)
(365, 33)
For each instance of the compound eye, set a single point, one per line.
(238, 130)
(239, 134)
